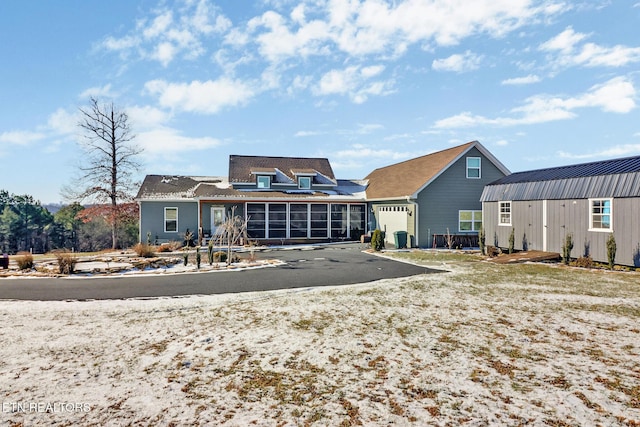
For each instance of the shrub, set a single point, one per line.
(210, 251)
(144, 250)
(220, 256)
(185, 257)
(512, 240)
(66, 262)
(611, 250)
(24, 260)
(584, 262)
(481, 240)
(165, 247)
(567, 247)
(377, 241)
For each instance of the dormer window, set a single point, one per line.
(264, 181)
(304, 182)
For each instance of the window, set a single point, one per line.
(469, 220)
(505, 213)
(257, 220)
(304, 182)
(170, 220)
(339, 218)
(299, 220)
(473, 167)
(600, 214)
(319, 220)
(264, 181)
(277, 220)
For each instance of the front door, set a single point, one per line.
(217, 218)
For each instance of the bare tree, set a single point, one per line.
(108, 162)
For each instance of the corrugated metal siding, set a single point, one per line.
(619, 186)
(569, 216)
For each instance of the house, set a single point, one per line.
(589, 201)
(282, 198)
(431, 196)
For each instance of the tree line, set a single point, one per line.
(26, 225)
(105, 180)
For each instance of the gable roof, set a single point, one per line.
(605, 167)
(607, 178)
(243, 169)
(406, 179)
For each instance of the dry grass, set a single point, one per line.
(483, 344)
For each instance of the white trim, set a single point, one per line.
(479, 168)
(545, 227)
(473, 221)
(475, 144)
(504, 224)
(258, 181)
(165, 219)
(306, 178)
(610, 214)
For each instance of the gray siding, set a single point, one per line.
(152, 220)
(568, 216)
(206, 213)
(451, 192)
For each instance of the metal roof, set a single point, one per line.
(605, 167)
(609, 178)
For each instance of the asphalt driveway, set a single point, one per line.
(325, 266)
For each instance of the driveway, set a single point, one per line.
(325, 266)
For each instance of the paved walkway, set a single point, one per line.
(326, 266)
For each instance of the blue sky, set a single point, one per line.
(364, 83)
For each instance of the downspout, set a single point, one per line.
(416, 222)
(139, 221)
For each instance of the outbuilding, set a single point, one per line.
(588, 201)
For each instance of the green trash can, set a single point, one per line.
(400, 238)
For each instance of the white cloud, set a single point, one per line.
(570, 53)
(174, 31)
(531, 78)
(165, 141)
(97, 92)
(207, 97)
(381, 28)
(146, 117)
(63, 122)
(616, 95)
(363, 151)
(19, 137)
(353, 81)
(615, 151)
(306, 133)
(458, 63)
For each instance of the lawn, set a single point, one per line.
(482, 344)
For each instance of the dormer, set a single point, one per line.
(287, 174)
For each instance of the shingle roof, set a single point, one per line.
(171, 186)
(244, 168)
(605, 167)
(406, 178)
